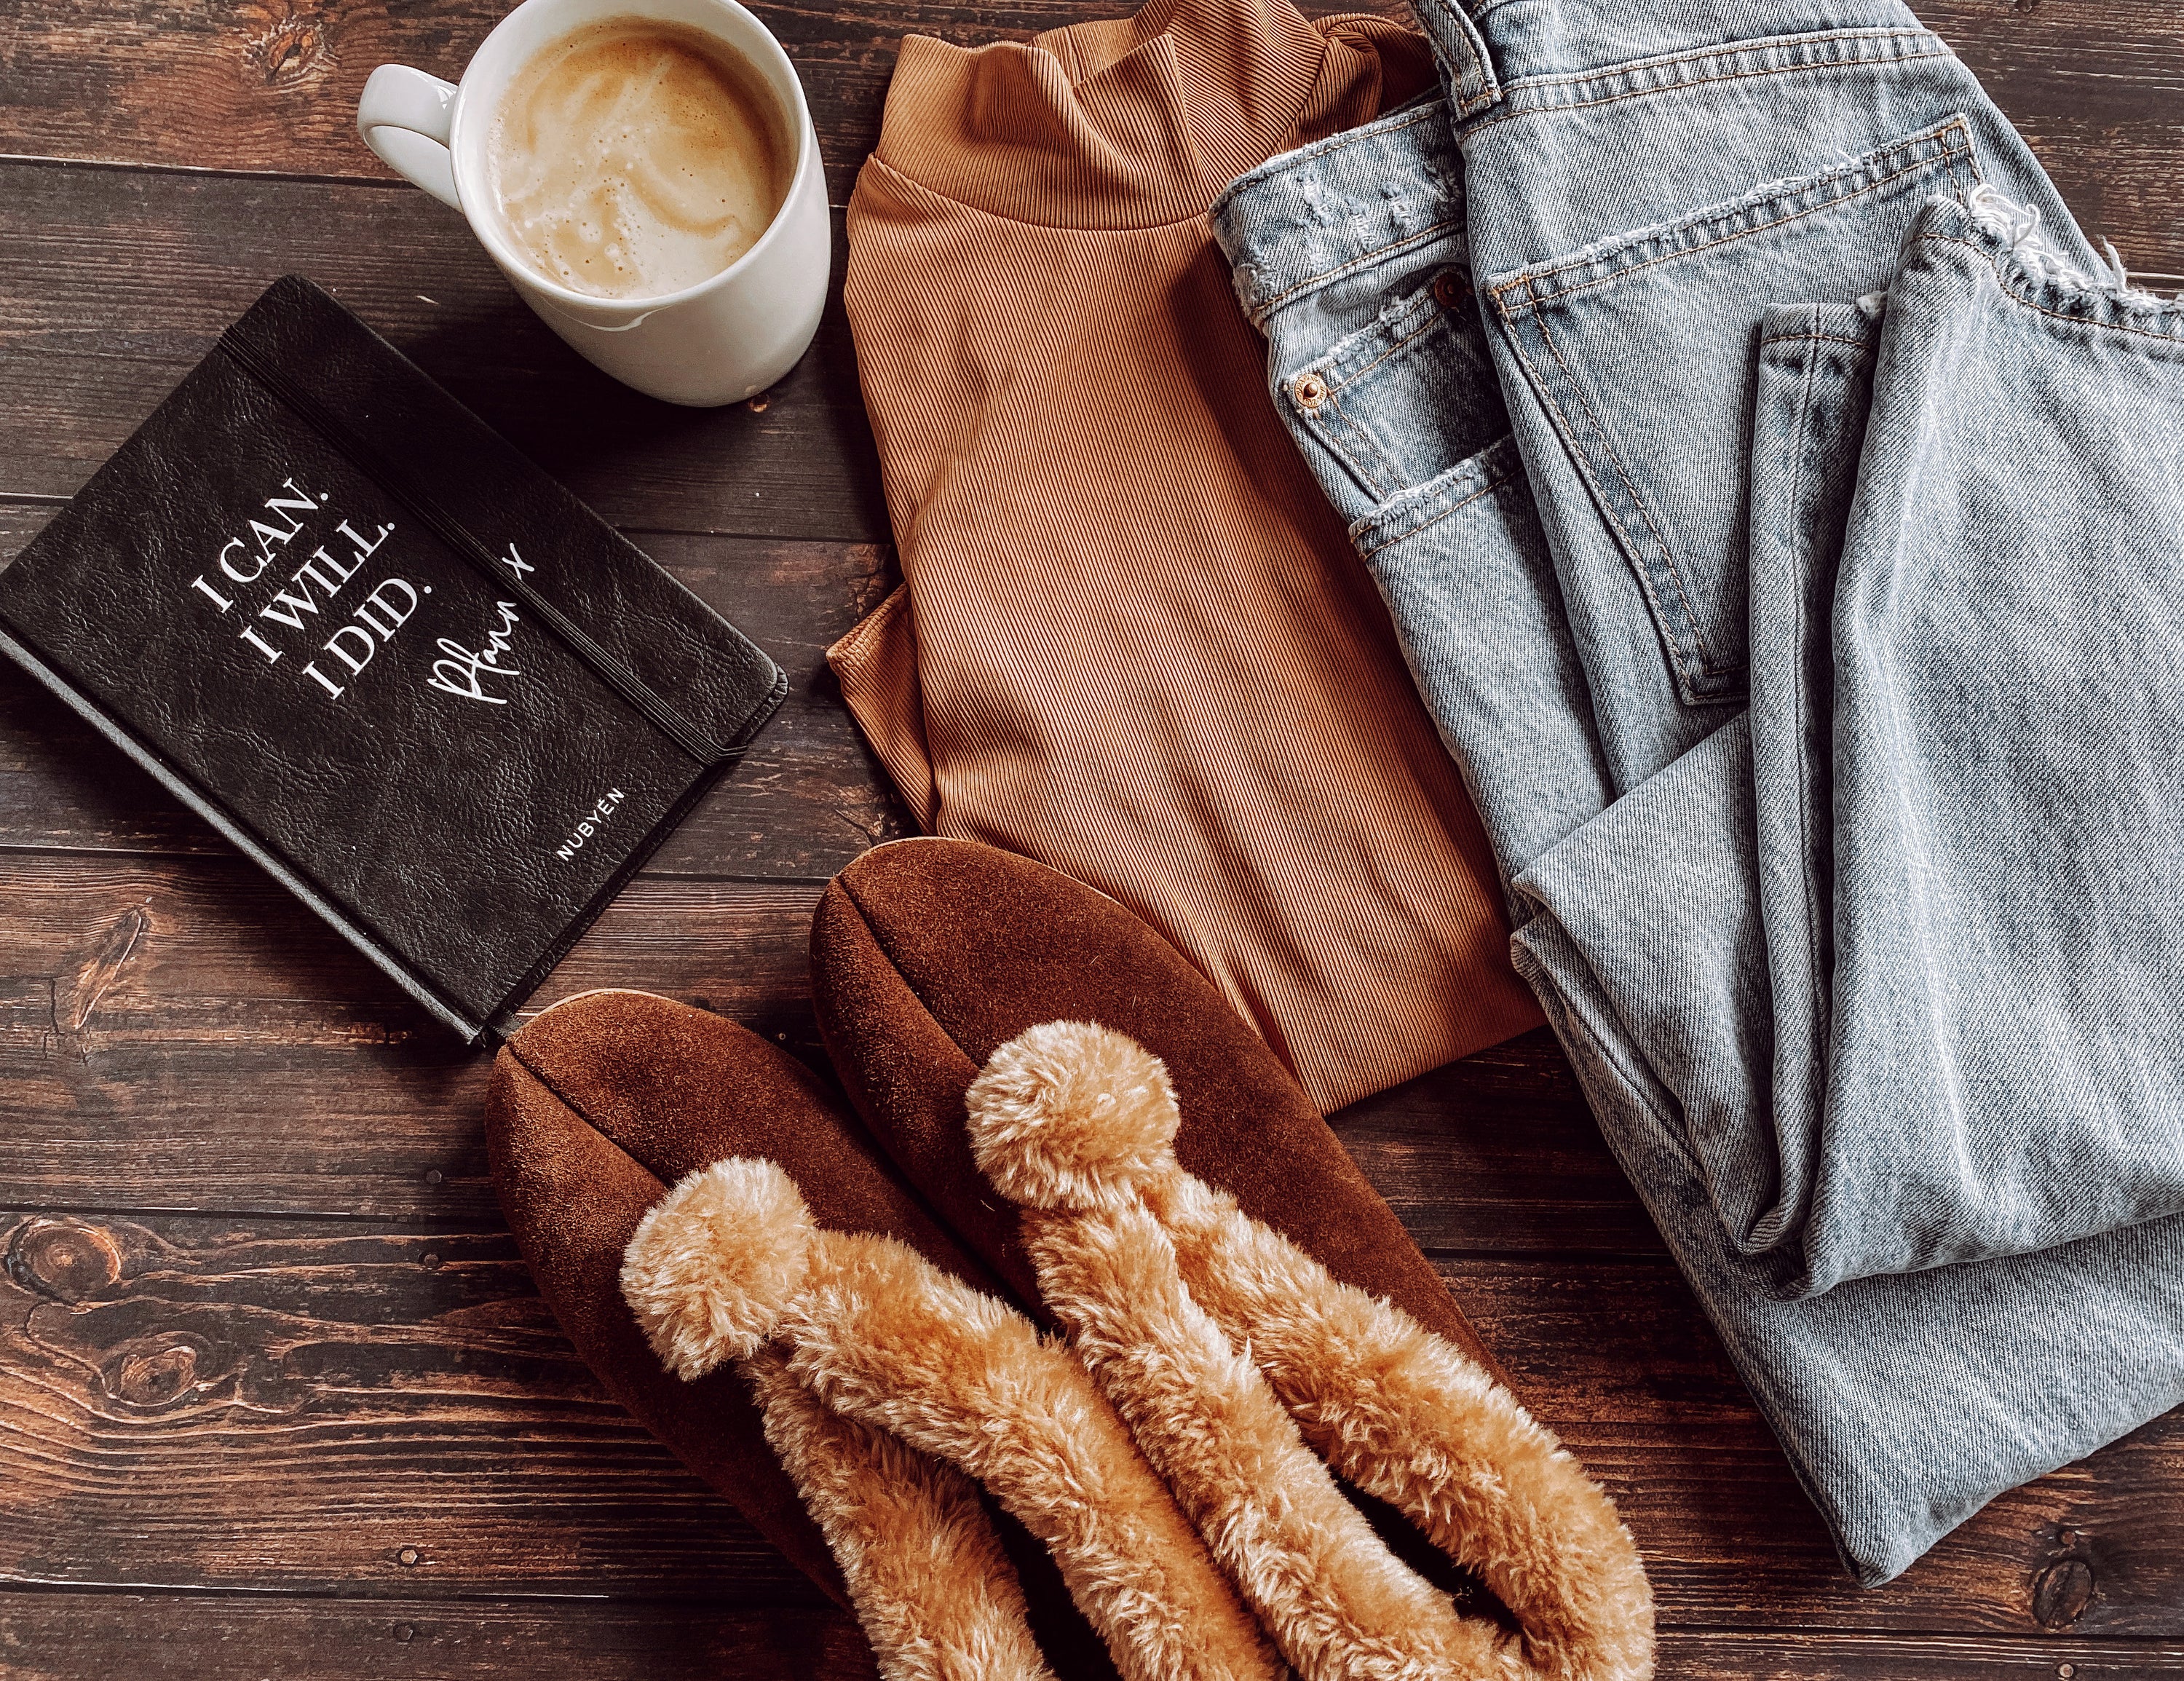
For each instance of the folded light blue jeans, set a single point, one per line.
(1783, 511)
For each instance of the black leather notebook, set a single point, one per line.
(397, 664)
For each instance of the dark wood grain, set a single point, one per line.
(1693, 1656)
(2097, 86)
(269, 89)
(117, 281)
(806, 799)
(106, 320)
(329, 1408)
(174, 1637)
(147, 1005)
(195, 1637)
(276, 1396)
(379, 1407)
(1498, 1153)
(182, 1033)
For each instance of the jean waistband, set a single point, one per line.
(1312, 216)
(1555, 49)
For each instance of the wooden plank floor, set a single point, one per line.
(276, 1398)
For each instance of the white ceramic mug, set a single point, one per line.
(720, 341)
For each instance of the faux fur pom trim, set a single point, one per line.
(730, 1265)
(714, 1264)
(710, 1272)
(934, 1592)
(1228, 1350)
(1071, 1116)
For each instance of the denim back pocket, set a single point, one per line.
(1640, 352)
(1401, 400)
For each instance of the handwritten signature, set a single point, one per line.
(462, 673)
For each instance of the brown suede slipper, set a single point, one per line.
(1250, 1376)
(599, 1105)
(928, 955)
(1094, 1118)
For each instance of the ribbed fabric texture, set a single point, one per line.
(1132, 641)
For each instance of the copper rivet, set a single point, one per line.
(1445, 289)
(1311, 391)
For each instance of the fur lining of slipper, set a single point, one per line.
(934, 1592)
(1067, 1120)
(1406, 1417)
(1399, 1412)
(729, 1263)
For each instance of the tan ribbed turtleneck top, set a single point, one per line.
(1132, 641)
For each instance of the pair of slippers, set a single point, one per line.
(1090, 1352)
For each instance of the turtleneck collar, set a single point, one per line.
(1138, 121)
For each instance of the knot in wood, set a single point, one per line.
(288, 52)
(62, 1259)
(2061, 1592)
(156, 1376)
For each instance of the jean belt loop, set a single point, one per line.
(1466, 70)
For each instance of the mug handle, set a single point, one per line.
(404, 116)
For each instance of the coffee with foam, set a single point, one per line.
(633, 158)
